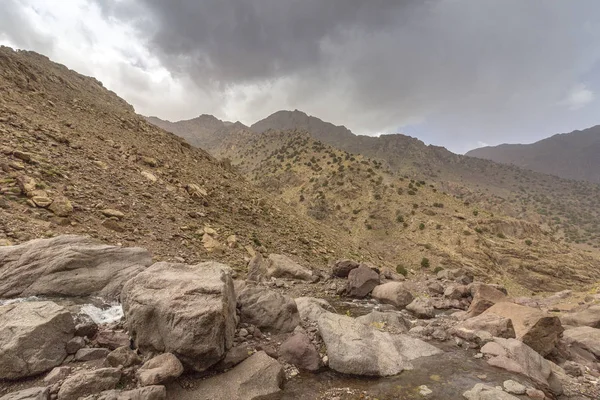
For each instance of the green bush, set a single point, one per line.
(425, 262)
(528, 242)
(421, 226)
(437, 269)
(475, 212)
(399, 218)
(501, 235)
(401, 270)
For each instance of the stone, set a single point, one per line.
(144, 393)
(57, 374)
(584, 338)
(522, 359)
(537, 394)
(298, 350)
(424, 391)
(270, 311)
(435, 288)
(232, 241)
(89, 382)
(311, 308)
(234, 356)
(187, 310)
(484, 296)
(195, 190)
(89, 354)
(394, 293)
(41, 201)
(159, 369)
(149, 176)
(342, 268)
(588, 317)
(110, 213)
(421, 307)
(357, 349)
(211, 244)
(456, 292)
(61, 206)
(122, 356)
(493, 349)
(537, 329)
(27, 184)
(496, 325)
(71, 266)
(385, 320)
(85, 326)
(485, 392)
(259, 376)
(75, 344)
(361, 281)
(33, 338)
(514, 387)
(35, 393)
(256, 268)
(111, 339)
(279, 266)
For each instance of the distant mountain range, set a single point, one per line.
(574, 155)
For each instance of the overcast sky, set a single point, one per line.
(456, 73)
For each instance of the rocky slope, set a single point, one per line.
(568, 155)
(75, 158)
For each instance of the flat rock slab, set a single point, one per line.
(69, 266)
(145, 393)
(255, 378)
(36, 393)
(586, 337)
(358, 349)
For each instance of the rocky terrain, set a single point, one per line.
(569, 155)
(136, 266)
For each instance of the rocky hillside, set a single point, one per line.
(75, 158)
(569, 208)
(412, 222)
(569, 155)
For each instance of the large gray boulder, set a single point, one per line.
(299, 351)
(187, 310)
(361, 281)
(311, 308)
(159, 369)
(35, 393)
(391, 321)
(342, 268)
(394, 293)
(267, 309)
(257, 377)
(484, 296)
(584, 339)
(68, 266)
(33, 338)
(89, 382)
(496, 325)
(588, 317)
(357, 349)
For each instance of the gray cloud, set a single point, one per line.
(16, 26)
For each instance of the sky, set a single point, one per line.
(455, 73)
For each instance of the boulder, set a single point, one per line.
(484, 296)
(256, 268)
(311, 308)
(361, 281)
(33, 338)
(385, 320)
(537, 329)
(456, 292)
(159, 369)
(584, 339)
(435, 288)
(422, 308)
(496, 325)
(122, 356)
(298, 350)
(342, 268)
(35, 393)
(257, 377)
(89, 382)
(280, 266)
(187, 310)
(355, 348)
(588, 317)
(61, 207)
(485, 392)
(111, 339)
(394, 293)
(89, 354)
(57, 374)
(234, 356)
(514, 387)
(268, 310)
(143, 393)
(75, 344)
(515, 356)
(68, 266)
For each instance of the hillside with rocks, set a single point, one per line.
(135, 266)
(568, 155)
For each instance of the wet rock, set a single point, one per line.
(342, 268)
(33, 338)
(68, 266)
(35, 393)
(89, 382)
(484, 392)
(268, 310)
(484, 296)
(496, 325)
(89, 354)
(422, 308)
(588, 317)
(298, 350)
(361, 281)
(514, 387)
(57, 374)
(584, 339)
(143, 393)
(111, 339)
(354, 348)
(159, 369)
(187, 310)
(393, 293)
(257, 377)
(385, 320)
(122, 356)
(535, 328)
(75, 344)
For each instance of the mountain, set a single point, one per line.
(76, 158)
(568, 155)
